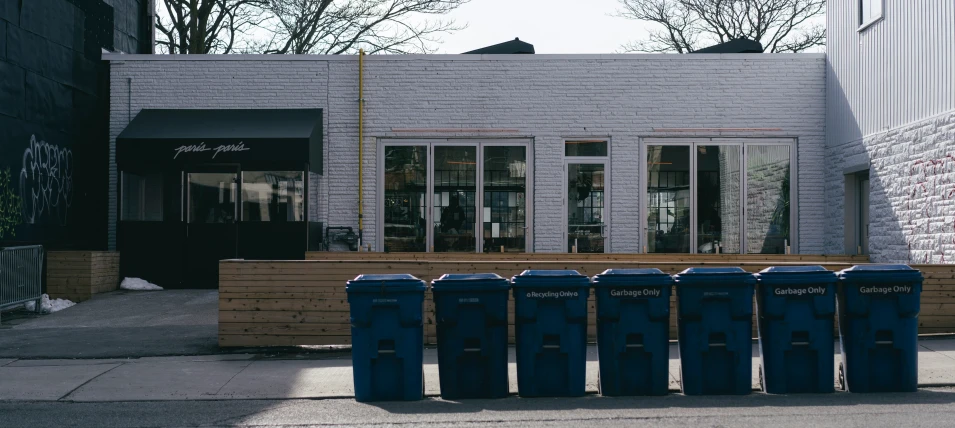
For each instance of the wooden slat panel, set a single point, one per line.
(279, 303)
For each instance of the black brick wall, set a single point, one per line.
(54, 112)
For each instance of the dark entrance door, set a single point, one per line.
(211, 222)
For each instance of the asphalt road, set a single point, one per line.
(926, 408)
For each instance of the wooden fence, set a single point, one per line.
(282, 303)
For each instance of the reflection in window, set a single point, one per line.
(767, 199)
(505, 177)
(585, 208)
(668, 191)
(455, 189)
(585, 148)
(273, 196)
(212, 197)
(718, 190)
(142, 197)
(405, 188)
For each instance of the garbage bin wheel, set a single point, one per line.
(842, 377)
(422, 382)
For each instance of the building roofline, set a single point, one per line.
(119, 57)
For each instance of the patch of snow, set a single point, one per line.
(48, 306)
(138, 284)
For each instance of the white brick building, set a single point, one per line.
(546, 103)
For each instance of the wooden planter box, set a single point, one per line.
(78, 275)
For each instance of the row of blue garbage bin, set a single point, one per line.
(878, 308)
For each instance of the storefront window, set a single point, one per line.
(505, 190)
(273, 196)
(767, 199)
(724, 196)
(405, 208)
(142, 197)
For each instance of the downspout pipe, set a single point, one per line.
(361, 146)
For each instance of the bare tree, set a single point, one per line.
(687, 25)
(341, 26)
(205, 26)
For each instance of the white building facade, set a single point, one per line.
(890, 149)
(536, 153)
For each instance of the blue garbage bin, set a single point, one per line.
(633, 322)
(550, 308)
(715, 323)
(471, 310)
(878, 328)
(387, 336)
(795, 307)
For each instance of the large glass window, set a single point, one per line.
(505, 190)
(668, 194)
(455, 190)
(718, 198)
(767, 199)
(212, 197)
(142, 197)
(405, 205)
(697, 192)
(465, 196)
(273, 196)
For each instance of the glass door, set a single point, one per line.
(211, 224)
(455, 199)
(586, 203)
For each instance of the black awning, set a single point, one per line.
(252, 138)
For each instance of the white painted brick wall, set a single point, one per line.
(912, 192)
(546, 98)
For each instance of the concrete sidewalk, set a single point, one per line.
(254, 376)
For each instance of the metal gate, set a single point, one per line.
(21, 275)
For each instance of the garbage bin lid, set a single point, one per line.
(624, 277)
(795, 275)
(714, 275)
(470, 281)
(385, 283)
(881, 273)
(551, 278)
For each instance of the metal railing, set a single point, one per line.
(21, 275)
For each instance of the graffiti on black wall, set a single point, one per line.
(46, 182)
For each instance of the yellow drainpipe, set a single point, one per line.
(361, 145)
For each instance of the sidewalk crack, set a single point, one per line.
(233, 377)
(90, 380)
(10, 362)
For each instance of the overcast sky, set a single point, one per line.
(552, 26)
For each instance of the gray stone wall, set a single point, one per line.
(912, 194)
